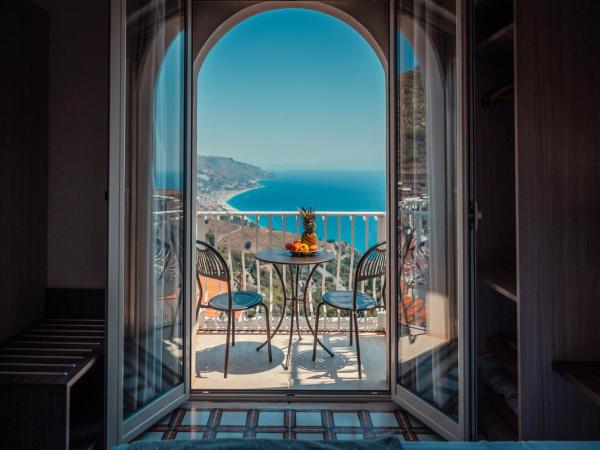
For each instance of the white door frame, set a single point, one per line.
(114, 370)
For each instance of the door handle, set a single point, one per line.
(475, 215)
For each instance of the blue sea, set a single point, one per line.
(339, 190)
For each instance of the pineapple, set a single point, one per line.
(309, 222)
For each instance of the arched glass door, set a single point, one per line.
(149, 215)
(429, 375)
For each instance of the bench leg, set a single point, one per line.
(35, 416)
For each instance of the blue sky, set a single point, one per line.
(169, 118)
(289, 88)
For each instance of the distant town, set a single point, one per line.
(220, 178)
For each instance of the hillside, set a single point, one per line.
(412, 158)
(217, 173)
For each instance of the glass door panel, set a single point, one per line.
(153, 211)
(427, 337)
(153, 357)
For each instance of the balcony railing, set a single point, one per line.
(239, 235)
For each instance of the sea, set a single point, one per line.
(325, 190)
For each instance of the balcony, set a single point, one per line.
(238, 236)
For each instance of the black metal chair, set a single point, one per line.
(168, 267)
(407, 248)
(210, 264)
(371, 265)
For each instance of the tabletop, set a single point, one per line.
(283, 256)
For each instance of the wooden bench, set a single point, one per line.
(38, 371)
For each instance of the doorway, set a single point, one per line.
(153, 281)
(290, 112)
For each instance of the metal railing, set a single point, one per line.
(238, 235)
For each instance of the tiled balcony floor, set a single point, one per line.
(249, 369)
(302, 421)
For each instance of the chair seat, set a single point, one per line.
(343, 300)
(241, 300)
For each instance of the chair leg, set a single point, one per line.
(198, 311)
(350, 320)
(268, 331)
(227, 345)
(289, 349)
(175, 314)
(316, 331)
(233, 329)
(298, 320)
(355, 315)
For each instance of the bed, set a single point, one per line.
(390, 442)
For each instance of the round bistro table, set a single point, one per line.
(280, 256)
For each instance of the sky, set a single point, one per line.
(289, 88)
(169, 120)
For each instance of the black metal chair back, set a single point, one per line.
(210, 264)
(407, 245)
(162, 257)
(371, 265)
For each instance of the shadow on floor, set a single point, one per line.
(249, 369)
(243, 359)
(324, 366)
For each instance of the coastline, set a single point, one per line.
(225, 197)
(219, 200)
(336, 191)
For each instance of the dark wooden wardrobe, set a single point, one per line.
(494, 211)
(534, 69)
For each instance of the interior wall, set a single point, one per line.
(207, 17)
(558, 211)
(53, 166)
(23, 165)
(78, 163)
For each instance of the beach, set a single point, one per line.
(219, 200)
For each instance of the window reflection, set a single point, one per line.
(427, 328)
(154, 252)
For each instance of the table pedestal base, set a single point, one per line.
(295, 302)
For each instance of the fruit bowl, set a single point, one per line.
(297, 248)
(305, 254)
